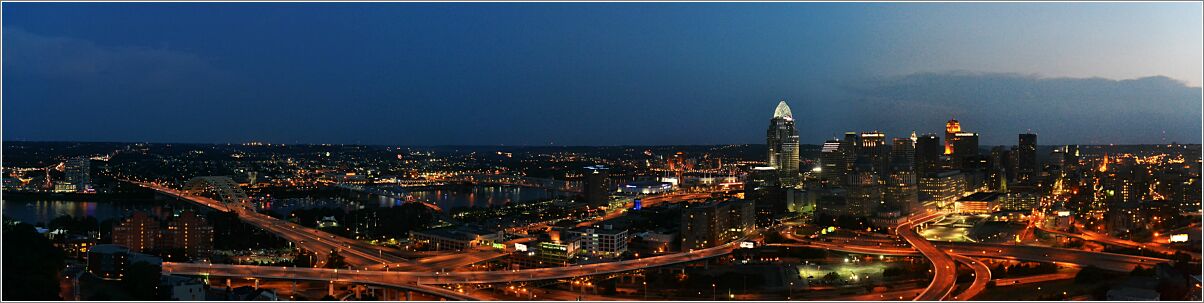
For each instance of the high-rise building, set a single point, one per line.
(762, 184)
(865, 194)
(833, 166)
(715, 223)
(901, 192)
(1027, 167)
(139, 232)
(873, 148)
(76, 175)
(927, 154)
(965, 147)
(951, 128)
(597, 193)
(190, 234)
(783, 144)
(902, 154)
(848, 148)
(943, 188)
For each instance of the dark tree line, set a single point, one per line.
(31, 265)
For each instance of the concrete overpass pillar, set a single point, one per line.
(227, 282)
(409, 296)
(330, 288)
(256, 283)
(358, 291)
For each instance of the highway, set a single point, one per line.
(1036, 278)
(435, 277)
(311, 274)
(356, 253)
(944, 268)
(982, 276)
(647, 202)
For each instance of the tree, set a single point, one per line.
(832, 277)
(335, 260)
(1092, 274)
(31, 264)
(142, 281)
(1140, 271)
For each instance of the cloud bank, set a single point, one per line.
(1060, 110)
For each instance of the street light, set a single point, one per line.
(645, 290)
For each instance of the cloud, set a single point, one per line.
(1061, 110)
(84, 61)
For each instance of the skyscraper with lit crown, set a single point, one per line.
(782, 141)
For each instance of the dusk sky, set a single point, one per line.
(598, 73)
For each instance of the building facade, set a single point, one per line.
(782, 142)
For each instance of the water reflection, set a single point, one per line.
(42, 211)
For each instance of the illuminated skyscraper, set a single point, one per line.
(782, 141)
(951, 128)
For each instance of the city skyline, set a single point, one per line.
(388, 74)
(567, 152)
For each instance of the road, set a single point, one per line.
(982, 276)
(944, 268)
(437, 278)
(647, 202)
(1037, 278)
(357, 253)
(1103, 260)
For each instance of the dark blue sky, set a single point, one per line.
(596, 74)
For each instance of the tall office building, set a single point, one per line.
(848, 148)
(762, 185)
(902, 154)
(715, 223)
(965, 149)
(951, 128)
(76, 175)
(873, 147)
(782, 141)
(865, 194)
(597, 193)
(927, 154)
(901, 192)
(833, 166)
(1027, 167)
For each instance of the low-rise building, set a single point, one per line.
(645, 188)
(605, 240)
(181, 288)
(455, 238)
(979, 203)
(109, 261)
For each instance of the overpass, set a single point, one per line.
(357, 253)
(308, 274)
(427, 277)
(1104, 260)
